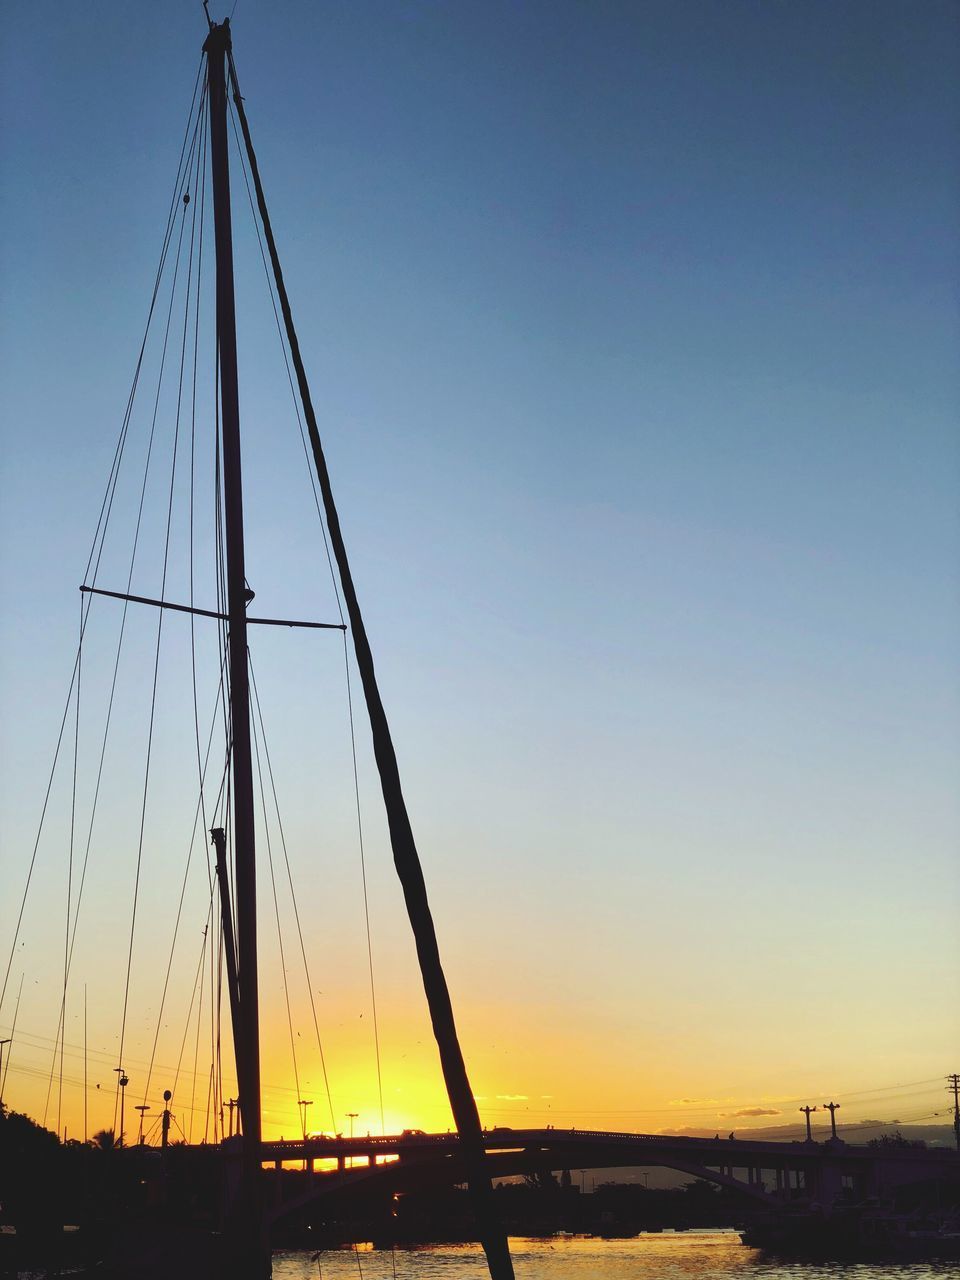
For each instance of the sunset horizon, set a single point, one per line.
(481, 530)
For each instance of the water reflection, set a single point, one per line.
(708, 1255)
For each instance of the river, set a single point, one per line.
(706, 1255)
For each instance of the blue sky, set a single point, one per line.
(633, 334)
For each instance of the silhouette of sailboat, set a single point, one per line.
(222, 76)
(246, 1251)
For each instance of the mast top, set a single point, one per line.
(218, 39)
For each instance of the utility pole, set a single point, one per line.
(231, 1103)
(141, 1107)
(833, 1108)
(351, 1116)
(808, 1111)
(953, 1086)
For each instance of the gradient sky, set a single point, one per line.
(634, 338)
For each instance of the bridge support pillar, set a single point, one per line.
(341, 1163)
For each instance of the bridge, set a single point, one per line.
(771, 1174)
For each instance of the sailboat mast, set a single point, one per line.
(247, 1042)
(405, 855)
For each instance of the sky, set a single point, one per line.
(633, 335)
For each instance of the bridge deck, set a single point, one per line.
(726, 1151)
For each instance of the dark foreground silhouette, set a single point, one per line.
(141, 1212)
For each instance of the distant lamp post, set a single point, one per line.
(583, 1174)
(646, 1180)
(141, 1107)
(2, 1043)
(165, 1119)
(833, 1108)
(303, 1103)
(808, 1112)
(351, 1116)
(953, 1085)
(124, 1081)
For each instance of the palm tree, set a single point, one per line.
(104, 1139)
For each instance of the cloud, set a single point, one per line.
(512, 1097)
(752, 1111)
(689, 1102)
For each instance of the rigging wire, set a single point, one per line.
(156, 663)
(196, 1045)
(199, 187)
(199, 811)
(105, 1057)
(192, 538)
(94, 559)
(312, 479)
(183, 889)
(66, 933)
(296, 910)
(276, 908)
(311, 475)
(363, 875)
(193, 995)
(13, 1032)
(107, 503)
(106, 508)
(43, 814)
(102, 1058)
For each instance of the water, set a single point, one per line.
(705, 1255)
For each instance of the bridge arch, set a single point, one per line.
(445, 1170)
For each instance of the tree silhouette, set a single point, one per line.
(104, 1139)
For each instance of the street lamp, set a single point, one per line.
(141, 1107)
(123, 1084)
(351, 1116)
(304, 1103)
